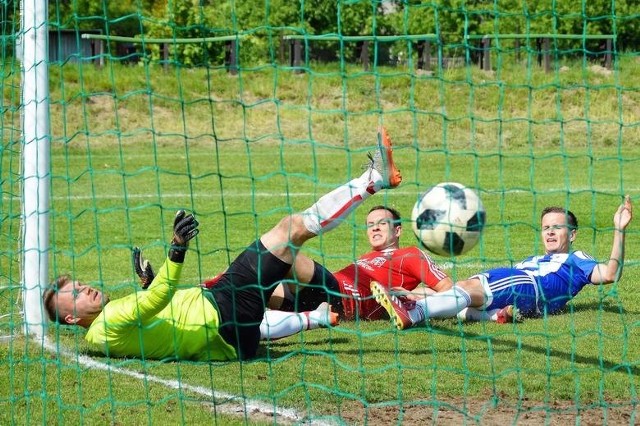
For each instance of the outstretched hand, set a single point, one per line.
(623, 216)
(185, 228)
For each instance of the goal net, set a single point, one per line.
(117, 114)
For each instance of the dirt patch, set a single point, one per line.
(456, 412)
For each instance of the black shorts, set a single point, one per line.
(323, 287)
(241, 294)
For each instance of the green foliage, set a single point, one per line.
(263, 22)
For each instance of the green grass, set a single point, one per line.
(130, 146)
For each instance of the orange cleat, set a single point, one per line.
(394, 306)
(382, 161)
(508, 314)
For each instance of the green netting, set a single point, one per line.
(246, 111)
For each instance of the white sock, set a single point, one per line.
(473, 314)
(442, 305)
(332, 208)
(279, 324)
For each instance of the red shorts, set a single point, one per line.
(359, 303)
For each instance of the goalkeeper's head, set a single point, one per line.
(71, 302)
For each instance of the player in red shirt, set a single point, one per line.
(348, 290)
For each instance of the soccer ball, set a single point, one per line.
(448, 219)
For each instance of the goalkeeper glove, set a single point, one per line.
(185, 228)
(143, 268)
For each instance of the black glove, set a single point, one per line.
(143, 268)
(185, 227)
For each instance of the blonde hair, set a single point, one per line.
(50, 295)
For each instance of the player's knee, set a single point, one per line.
(294, 230)
(290, 231)
(476, 290)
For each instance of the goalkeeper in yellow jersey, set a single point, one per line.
(222, 322)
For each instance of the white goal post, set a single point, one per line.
(36, 174)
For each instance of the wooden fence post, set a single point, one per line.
(607, 58)
(97, 49)
(424, 61)
(364, 55)
(486, 53)
(296, 56)
(165, 56)
(546, 47)
(232, 57)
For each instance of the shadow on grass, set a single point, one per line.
(612, 308)
(419, 341)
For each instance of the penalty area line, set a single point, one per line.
(225, 403)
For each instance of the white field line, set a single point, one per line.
(227, 194)
(264, 194)
(225, 403)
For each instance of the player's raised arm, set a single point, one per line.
(608, 272)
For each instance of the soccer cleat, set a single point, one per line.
(382, 161)
(508, 314)
(396, 309)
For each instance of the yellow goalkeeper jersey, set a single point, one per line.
(161, 323)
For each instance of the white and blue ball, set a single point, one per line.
(448, 219)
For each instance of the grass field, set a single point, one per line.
(128, 151)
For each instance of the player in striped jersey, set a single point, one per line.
(538, 285)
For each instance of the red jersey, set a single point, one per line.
(404, 267)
